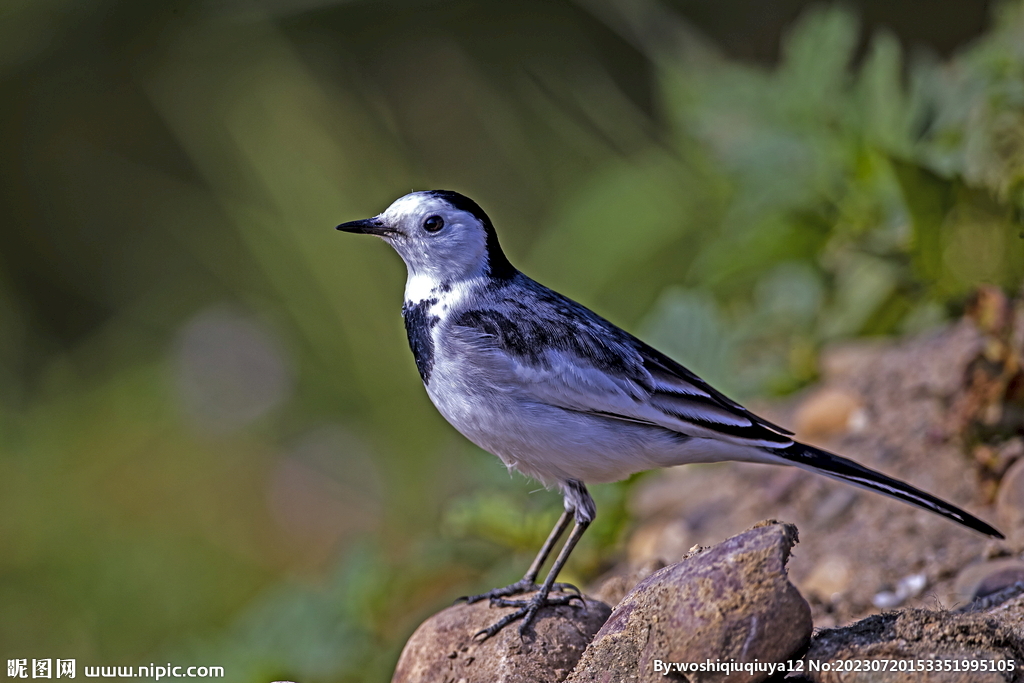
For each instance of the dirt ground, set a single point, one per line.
(941, 411)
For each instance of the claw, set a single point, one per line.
(527, 611)
(498, 625)
(531, 612)
(566, 588)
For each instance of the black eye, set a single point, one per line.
(433, 224)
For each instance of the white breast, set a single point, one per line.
(447, 297)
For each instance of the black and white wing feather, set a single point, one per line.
(571, 358)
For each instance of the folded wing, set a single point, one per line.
(567, 356)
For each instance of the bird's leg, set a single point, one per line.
(580, 505)
(556, 533)
(529, 607)
(529, 581)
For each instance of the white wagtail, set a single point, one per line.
(561, 394)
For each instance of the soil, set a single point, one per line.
(939, 411)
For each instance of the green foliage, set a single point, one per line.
(850, 210)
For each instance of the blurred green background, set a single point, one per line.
(214, 447)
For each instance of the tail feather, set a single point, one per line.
(831, 465)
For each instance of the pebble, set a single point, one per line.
(830, 412)
(984, 578)
(906, 588)
(1010, 498)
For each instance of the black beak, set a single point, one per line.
(367, 226)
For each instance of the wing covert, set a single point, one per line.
(565, 355)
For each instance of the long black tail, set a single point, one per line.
(831, 465)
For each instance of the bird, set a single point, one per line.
(561, 394)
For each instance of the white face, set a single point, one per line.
(436, 240)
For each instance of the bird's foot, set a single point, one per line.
(527, 611)
(518, 588)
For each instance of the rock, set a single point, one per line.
(1007, 453)
(616, 585)
(1010, 498)
(908, 587)
(830, 412)
(731, 601)
(921, 636)
(985, 578)
(443, 647)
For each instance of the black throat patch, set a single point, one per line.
(418, 324)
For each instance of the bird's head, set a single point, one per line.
(441, 235)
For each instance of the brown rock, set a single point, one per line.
(616, 584)
(1010, 499)
(828, 413)
(985, 578)
(443, 647)
(919, 636)
(729, 601)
